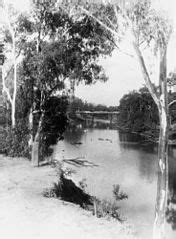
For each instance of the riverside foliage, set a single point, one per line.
(55, 47)
(138, 111)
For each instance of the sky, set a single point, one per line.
(123, 71)
(123, 75)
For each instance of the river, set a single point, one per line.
(109, 157)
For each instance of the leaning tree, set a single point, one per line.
(149, 32)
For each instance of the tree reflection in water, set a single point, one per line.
(171, 209)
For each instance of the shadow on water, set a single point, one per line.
(74, 135)
(136, 141)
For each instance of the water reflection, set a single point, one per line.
(129, 138)
(136, 141)
(74, 135)
(146, 153)
(123, 159)
(171, 210)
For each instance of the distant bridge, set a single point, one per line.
(94, 115)
(98, 112)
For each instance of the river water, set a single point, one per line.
(107, 157)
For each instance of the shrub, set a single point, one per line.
(3, 135)
(110, 209)
(107, 209)
(14, 141)
(118, 195)
(66, 190)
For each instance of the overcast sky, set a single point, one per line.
(123, 71)
(124, 75)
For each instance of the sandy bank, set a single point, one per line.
(25, 213)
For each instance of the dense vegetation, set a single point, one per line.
(55, 48)
(138, 111)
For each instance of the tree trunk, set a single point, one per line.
(14, 95)
(13, 100)
(162, 185)
(161, 101)
(36, 144)
(30, 142)
(13, 114)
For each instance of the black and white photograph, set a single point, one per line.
(87, 119)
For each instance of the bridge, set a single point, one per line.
(95, 114)
(98, 112)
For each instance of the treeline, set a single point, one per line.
(138, 111)
(79, 105)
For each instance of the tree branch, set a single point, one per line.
(108, 29)
(100, 22)
(171, 103)
(146, 74)
(5, 89)
(55, 87)
(137, 50)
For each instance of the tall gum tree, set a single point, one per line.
(150, 30)
(63, 46)
(14, 37)
(9, 26)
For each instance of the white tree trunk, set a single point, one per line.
(13, 98)
(14, 80)
(162, 185)
(30, 142)
(161, 101)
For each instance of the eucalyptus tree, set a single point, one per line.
(62, 46)
(10, 28)
(14, 36)
(149, 32)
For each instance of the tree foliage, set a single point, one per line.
(54, 47)
(54, 122)
(138, 111)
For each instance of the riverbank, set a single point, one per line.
(148, 136)
(25, 213)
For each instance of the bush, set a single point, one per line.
(3, 135)
(66, 190)
(118, 195)
(14, 141)
(107, 209)
(110, 209)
